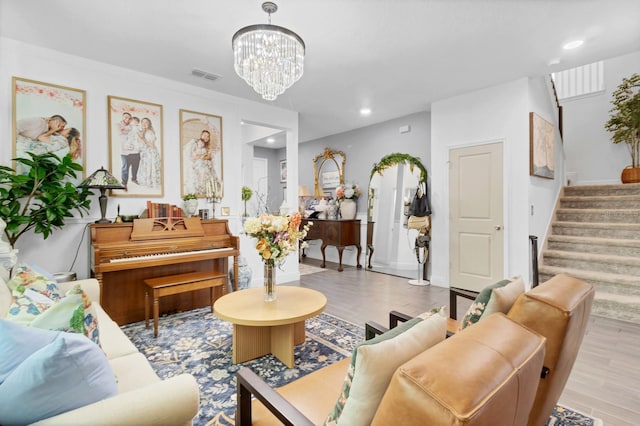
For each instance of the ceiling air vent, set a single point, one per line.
(206, 75)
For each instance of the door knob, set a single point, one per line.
(498, 227)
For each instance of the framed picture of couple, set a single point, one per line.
(201, 154)
(48, 118)
(135, 146)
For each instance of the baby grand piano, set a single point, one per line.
(125, 254)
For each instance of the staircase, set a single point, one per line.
(596, 237)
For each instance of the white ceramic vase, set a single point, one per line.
(190, 207)
(348, 208)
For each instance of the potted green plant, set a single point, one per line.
(190, 204)
(41, 199)
(624, 124)
(247, 193)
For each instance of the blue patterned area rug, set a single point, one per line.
(198, 343)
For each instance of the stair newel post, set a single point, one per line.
(534, 259)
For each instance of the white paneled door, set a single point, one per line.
(476, 207)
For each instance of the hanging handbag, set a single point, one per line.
(419, 222)
(419, 210)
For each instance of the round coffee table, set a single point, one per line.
(261, 328)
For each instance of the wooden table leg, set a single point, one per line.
(322, 247)
(371, 250)
(282, 342)
(358, 256)
(156, 313)
(340, 249)
(146, 308)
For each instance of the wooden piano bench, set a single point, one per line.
(176, 284)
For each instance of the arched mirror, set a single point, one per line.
(328, 170)
(392, 185)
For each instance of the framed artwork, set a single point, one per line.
(135, 147)
(200, 154)
(48, 118)
(283, 170)
(541, 147)
(330, 179)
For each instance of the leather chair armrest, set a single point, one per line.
(373, 329)
(248, 384)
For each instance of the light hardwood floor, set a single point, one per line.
(605, 381)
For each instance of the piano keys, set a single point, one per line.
(123, 255)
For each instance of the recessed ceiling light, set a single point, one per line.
(554, 61)
(573, 44)
(270, 140)
(365, 111)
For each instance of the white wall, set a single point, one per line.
(100, 80)
(592, 159)
(543, 193)
(363, 147)
(499, 113)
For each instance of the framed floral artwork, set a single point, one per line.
(135, 147)
(201, 154)
(48, 118)
(541, 146)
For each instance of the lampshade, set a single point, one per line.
(303, 191)
(268, 57)
(101, 178)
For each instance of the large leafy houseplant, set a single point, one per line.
(42, 198)
(624, 122)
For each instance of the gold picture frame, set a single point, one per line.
(541, 147)
(37, 107)
(200, 159)
(135, 147)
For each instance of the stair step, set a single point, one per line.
(594, 190)
(599, 215)
(627, 231)
(618, 247)
(624, 265)
(601, 202)
(605, 283)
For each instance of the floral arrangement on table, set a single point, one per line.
(277, 235)
(348, 192)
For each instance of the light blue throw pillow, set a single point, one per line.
(68, 373)
(18, 342)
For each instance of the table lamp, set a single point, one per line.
(101, 179)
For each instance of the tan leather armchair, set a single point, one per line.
(559, 310)
(486, 374)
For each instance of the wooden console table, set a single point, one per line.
(338, 233)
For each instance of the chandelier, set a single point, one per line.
(268, 57)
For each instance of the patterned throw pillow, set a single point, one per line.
(31, 277)
(73, 313)
(336, 412)
(38, 302)
(477, 308)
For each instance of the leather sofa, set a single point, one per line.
(454, 382)
(143, 399)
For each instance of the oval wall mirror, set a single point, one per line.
(328, 171)
(392, 185)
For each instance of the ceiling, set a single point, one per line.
(395, 57)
